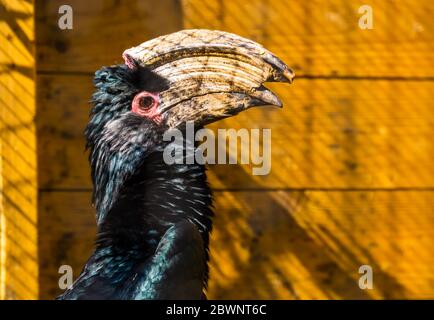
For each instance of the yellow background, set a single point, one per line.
(352, 150)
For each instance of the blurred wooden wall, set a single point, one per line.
(352, 151)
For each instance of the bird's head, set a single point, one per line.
(209, 75)
(191, 75)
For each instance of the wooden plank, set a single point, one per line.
(330, 134)
(63, 110)
(314, 37)
(102, 30)
(18, 181)
(310, 245)
(67, 232)
(280, 244)
(322, 37)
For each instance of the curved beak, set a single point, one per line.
(211, 74)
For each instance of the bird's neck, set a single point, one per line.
(154, 198)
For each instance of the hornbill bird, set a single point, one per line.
(153, 218)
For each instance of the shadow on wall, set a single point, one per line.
(265, 246)
(335, 198)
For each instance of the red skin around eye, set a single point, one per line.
(151, 111)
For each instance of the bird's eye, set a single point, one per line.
(145, 104)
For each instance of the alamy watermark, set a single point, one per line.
(66, 278)
(366, 21)
(255, 147)
(366, 281)
(65, 21)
